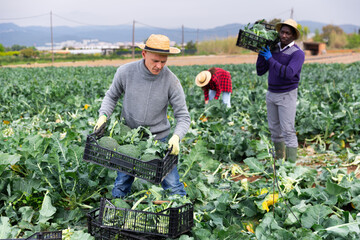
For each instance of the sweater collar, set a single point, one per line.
(287, 46)
(147, 74)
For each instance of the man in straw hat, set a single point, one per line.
(214, 82)
(284, 65)
(147, 87)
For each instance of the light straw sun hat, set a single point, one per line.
(203, 78)
(290, 22)
(158, 43)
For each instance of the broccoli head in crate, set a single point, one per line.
(256, 36)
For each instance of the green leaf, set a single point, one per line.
(266, 227)
(254, 164)
(291, 219)
(47, 210)
(26, 213)
(334, 189)
(120, 203)
(283, 234)
(356, 202)
(305, 234)
(202, 234)
(185, 237)
(297, 210)
(81, 235)
(8, 160)
(342, 230)
(193, 192)
(204, 189)
(217, 219)
(248, 207)
(233, 232)
(5, 228)
(315, 215)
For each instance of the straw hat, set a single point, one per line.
(291, 23)
(159, 44)
(203, 78)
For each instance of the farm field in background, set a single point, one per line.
(333, 56)
(225, 161)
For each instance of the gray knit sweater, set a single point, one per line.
(146, 97)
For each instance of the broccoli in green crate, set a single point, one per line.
(138, 143)
(124, 129)
(143, 145)
(260, 30)
(148, 157)
(120, 203)
(144, 215)
(109, 143)
(121, 132)
(129, 150)
(258, 35)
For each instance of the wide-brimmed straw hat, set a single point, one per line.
(203, 78)
(290, 22)
(158, 43)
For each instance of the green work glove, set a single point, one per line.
(99, 128)
(174, 143)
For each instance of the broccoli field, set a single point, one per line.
(225, 161)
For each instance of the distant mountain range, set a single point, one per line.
(11, 34)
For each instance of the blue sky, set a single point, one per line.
(173, 14)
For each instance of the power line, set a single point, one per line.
(69, 20)
(127, 23)
(20, 18)
(82, 23)
(57, 15)
(182, 30)
(164, 29)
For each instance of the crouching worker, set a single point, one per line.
(147, 87)
(214, 82)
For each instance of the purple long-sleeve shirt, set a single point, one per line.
(284, 68)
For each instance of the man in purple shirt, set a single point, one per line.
(284, 65)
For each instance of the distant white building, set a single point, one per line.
(85, 51)
(87, 46)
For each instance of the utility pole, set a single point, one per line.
(133, 40)
(52, 40)
(182, 40)
(197, 36)
(292, 13)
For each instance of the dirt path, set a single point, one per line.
(343, 57)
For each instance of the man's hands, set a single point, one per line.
(174, 142)
(266, 53)
(99, 128)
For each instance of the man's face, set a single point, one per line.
(154, 61)
(286, 35)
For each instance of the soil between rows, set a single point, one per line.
(337, 57)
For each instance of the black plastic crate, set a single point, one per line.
(107, 233)
(108, 220)
(253, 42)
(266, 25)
(137, 236)
(153, 171)
(55, 235)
